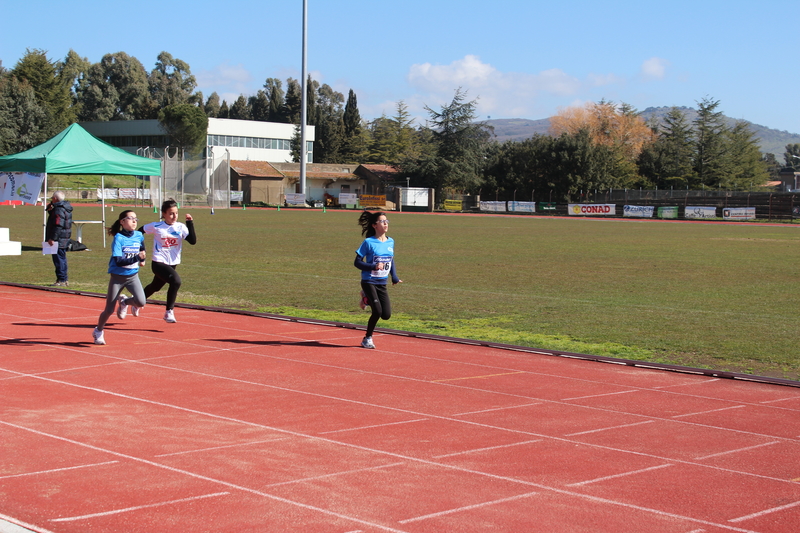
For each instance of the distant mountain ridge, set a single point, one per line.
(518, 129)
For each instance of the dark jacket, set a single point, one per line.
(59, 223)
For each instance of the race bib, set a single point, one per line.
(383, 272)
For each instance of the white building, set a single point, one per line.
(250, 156)
(245, 140)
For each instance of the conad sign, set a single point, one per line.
(592, 209)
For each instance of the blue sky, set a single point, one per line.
(519, 59)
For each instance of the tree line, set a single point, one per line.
(598, 146)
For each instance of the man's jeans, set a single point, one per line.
(60, 262)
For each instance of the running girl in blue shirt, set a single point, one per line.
(375, 259)
(127, 254)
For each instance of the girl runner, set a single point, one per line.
(375, 259)
(169, 235)
(127, 254)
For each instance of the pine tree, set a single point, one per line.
(212, 105)
(22, 117)
(747, 168)
(259, 106)
(240, 110)
(51, 87)
(355, 144)
(709, 131)
(293, 101)
(277, 111)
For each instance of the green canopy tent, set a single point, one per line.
(76, 151)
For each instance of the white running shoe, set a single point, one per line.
(367, 343)
(364, 303)
(97, 335)
(122, 310)
(134, 310)
(169, 316)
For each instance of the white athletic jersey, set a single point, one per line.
(167, 241)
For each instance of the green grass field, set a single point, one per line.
(719, 296)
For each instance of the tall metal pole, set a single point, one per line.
(303, 104)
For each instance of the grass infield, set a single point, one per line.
(719, 296)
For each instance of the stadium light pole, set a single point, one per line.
(303, 104)
(795, 174)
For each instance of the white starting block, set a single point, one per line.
(8, 247)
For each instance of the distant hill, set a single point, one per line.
(518, 129)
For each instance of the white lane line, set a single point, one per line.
(764, 512)
(779, 400)
(374, 426)
(737, 450)
(243, 488)
(507, 407)
(477, 450)
(58, 470)
(466, 508)
(710, 411)
(609, 428)
(211, 449)
(615, 476)
(139, 507)
(600, 395)
(336, 474)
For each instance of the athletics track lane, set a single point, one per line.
(227, 422)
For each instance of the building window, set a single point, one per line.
(252, 142)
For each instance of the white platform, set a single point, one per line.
(8, 247)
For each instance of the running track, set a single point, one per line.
(234, 423)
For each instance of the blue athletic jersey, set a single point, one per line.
(373, 252)
(127, 247)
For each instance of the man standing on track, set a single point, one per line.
(59, 228)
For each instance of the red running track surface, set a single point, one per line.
(235, 423)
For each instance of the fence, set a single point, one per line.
(767, 205)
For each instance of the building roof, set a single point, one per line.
(324, 171)
(256, 169)
(385, 172)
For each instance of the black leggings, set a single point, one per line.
(379, 302)
(164, 274)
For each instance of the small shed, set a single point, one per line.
(259, 182)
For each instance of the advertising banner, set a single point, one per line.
(414, 196)
(453, 205)
(347, 198)
(522, 207)
(668, 212)
(697, 211)
(20, 187)
(592, 209)
(547, 206)
(108, 194)
(739, 213)
(493, 206)
(640, 211)
(295, 198)
(372, 200)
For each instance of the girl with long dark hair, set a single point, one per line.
(168, 236)
(127, 255)
(375, 259)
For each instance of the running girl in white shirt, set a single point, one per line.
(375, 259)
(169, 235)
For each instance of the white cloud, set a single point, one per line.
(601, 80)
(508, 94)
(654, 68)
(228, 81)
